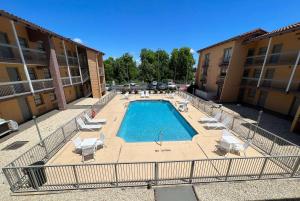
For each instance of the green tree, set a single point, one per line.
(147, 66)
(109, 69)
(162, 65)
(181, 64)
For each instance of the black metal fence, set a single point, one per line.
(281, 160)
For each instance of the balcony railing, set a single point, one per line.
(249, 81)
(103, 87)
(11, 89)
(224, 61)
(33, 56)
(10, 54)
(205, 65)
(65, 81)
(85, 75)
(61, 59)
(284, 58)
(73, 61)
(76, 80)
(101, 71)
(18, 88)
(41, 85)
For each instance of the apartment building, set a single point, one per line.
(41, 70)
(259, 68)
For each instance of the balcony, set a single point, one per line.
(101, 71)
(61, 59)
(103, 87)
(85, 75)
(73, 61)
(10, 54)
(205, 65)
(276, 59)
(205, 94)
(12, 89)
(249, 81)
(42, 85)
(33, 56)
(224, 62)
(19, 88)
(76, 80)
(65, 81)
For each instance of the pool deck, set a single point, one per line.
(116, 149)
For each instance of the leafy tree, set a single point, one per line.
(147, 67)
(181, 64)
(162, 65)
(109, 69)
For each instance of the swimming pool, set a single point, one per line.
(148, 121)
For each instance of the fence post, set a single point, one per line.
(156, 173)
(42, 143)
(5, 172)
(258, 120)
(77, 128)
(232, 125)
(116, 174)
(76, 176)
(275, 138)
(297, 164)
(192, 172)
(228, 169)
(63, 132)
(34, 179)
(16, 171)
(263, 168)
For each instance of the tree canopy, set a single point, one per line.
(155, 65)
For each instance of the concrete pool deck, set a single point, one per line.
(116, 149)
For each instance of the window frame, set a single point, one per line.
(40, 99)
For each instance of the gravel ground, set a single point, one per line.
(249, 190)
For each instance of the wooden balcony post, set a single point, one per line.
(264, 64)
(293, 72)
(76, 47)
(22, 56)
(67, 62)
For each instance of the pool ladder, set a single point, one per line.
(160, 137)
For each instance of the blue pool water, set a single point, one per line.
(144, 120)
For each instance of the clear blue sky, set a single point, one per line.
(116, 26)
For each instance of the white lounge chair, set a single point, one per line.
(77, 144)
(241, 147)
(83, 126)
(93, 121)
(223, 146)
(147, 94)
(214, 119)
(218, 125)
(89, 150)
(100, 141)
(226, 133)
(183, 107)
(171, 95)
(126, 95)
(142, 94)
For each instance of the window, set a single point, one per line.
(206, 59)
(5, 52)
(262, 51)
(275, 53)
(251, 93)
(40, 45)
(38, 99)
(23, 42)
(270, 73)
(246, 73)
(256, 73)
(227, 55)
(47, 74)
(3, 38)
(250, 54)
(52, 96)
(31, 73)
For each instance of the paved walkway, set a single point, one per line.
(275, 124)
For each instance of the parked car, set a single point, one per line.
(133, 84)
(108, 87)
(154, 83)
(126, 86)
(172, 85)
(162, 86)
(151, 87)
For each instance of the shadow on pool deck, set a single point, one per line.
(273, 123)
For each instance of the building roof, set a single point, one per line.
(37, 27)
(247, 35)
(286, 29)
